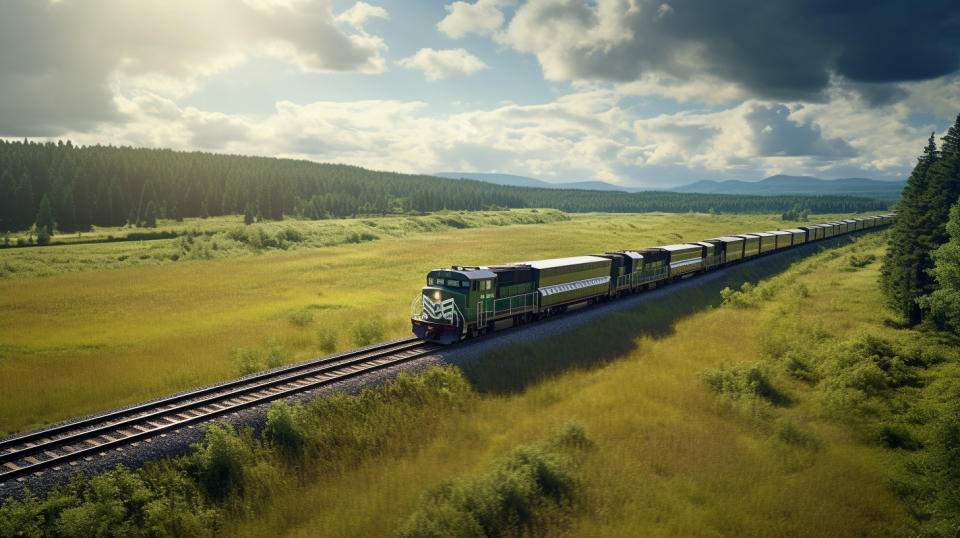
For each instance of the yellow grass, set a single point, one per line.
(77, 343)
(669, 458)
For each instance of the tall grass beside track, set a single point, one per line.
(778, 400)
(80, 334)
(675, 452)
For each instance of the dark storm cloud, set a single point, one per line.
(780, 49)
(777, 136)
(58, 60)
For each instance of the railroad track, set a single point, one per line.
(68, 444)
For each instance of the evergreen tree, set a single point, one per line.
(150, 215)
(45, 217)
(903, 276)
(950, 143)
(943, 304)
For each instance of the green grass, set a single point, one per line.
(797, 409)
(92, 336)
(671, 454)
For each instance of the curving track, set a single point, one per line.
(67, 444)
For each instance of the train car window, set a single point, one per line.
(488, 285)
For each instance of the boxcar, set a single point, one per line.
(730, 249)
(784, 239)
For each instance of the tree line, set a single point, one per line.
(71, 188)
(920, 276)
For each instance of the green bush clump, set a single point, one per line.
(300, 318)
(749, 380)
(368, 331)
(269, 354)
(284, 430)
(327, 338)
(507, 498)
(859, 262)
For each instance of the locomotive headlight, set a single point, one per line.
(436, 296)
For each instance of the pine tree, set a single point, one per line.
(943, 304)
(903, 276)
(44, 221)
(150, 215)
(950, 143)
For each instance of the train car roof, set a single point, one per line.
(560, 262)
(779, 232)
(762, 234)
(726, 239)
(469, 272)
(628, 253)
(679, 246)
(795, 230)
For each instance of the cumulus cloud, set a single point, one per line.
(483, 17)
(360, 13)
(69, 78)
(788, 50)
(440, 64)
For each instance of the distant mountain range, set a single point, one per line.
(774, 185)
(521, 181)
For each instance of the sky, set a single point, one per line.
(632, 92)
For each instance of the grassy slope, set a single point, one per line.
(670, 457)
(95, 339)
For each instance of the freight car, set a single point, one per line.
(467, 301)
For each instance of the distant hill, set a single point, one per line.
(771, 186)
(522, 181)
(781, 184)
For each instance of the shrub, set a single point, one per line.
(327, 339)
(218, 461)
(862, 261)
(269, 354)
(506, 499)
(300, 318)
(368, 331)
(284, 430)
(745, 380)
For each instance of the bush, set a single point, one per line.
(284, 430)
(218, 461)
(300, 318)
(368, 331)
(327, 339)
(506, 499)
(745, 380)
(269, 354)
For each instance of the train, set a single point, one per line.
(463, 302)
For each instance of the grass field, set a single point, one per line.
(669, 455)
(85, 334)
(778, 399)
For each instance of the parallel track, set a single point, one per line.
(67, 443)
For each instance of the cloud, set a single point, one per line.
(440, 64)
(90, 52)
(776, 135)
(360, 13)
(483, 17)
(787, 50)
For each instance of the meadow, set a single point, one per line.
(777, 400)
(91, 331)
